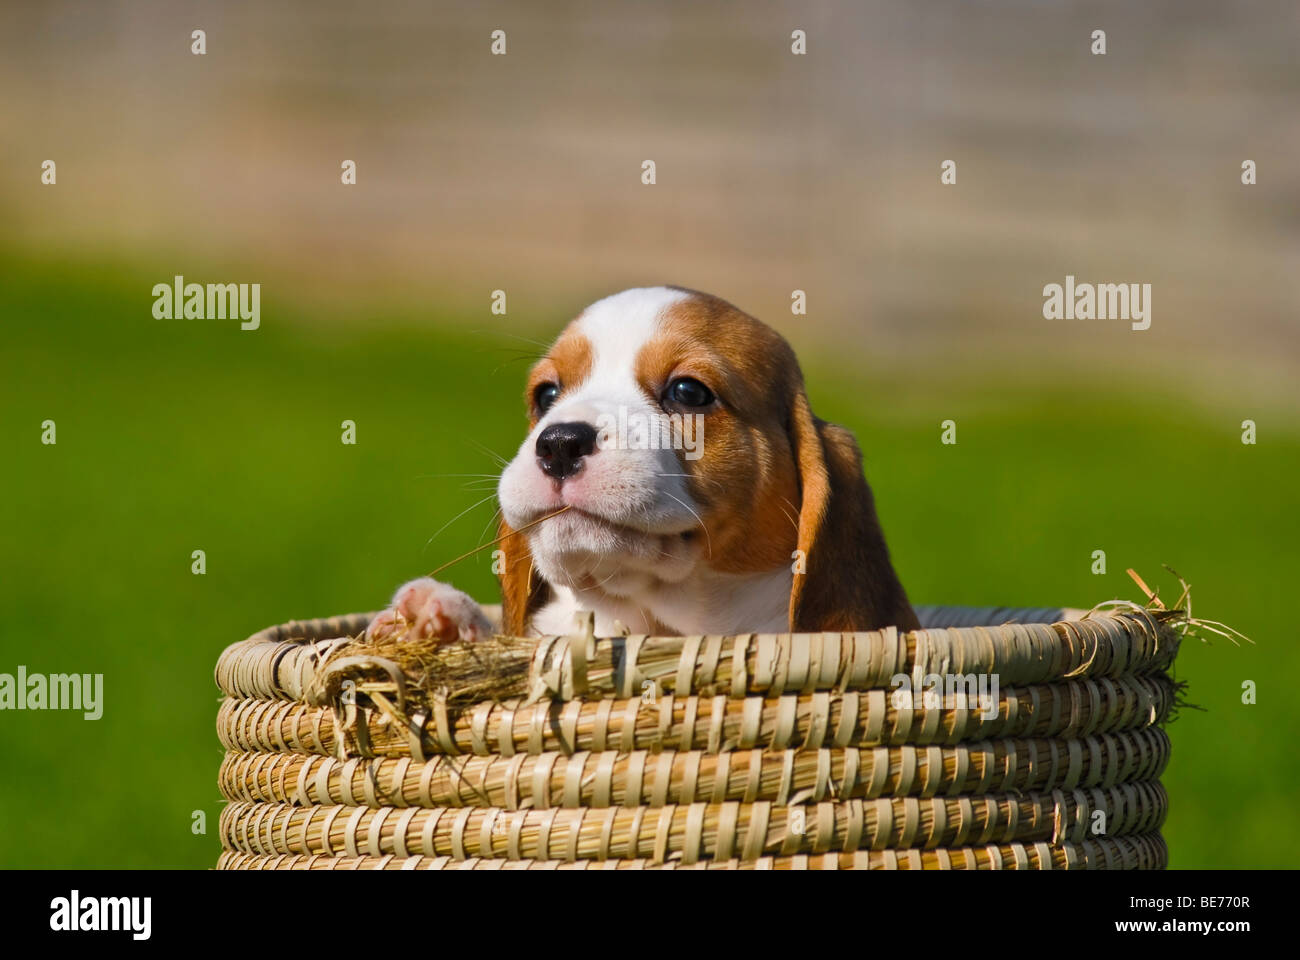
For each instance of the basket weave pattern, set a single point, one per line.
(769, 751)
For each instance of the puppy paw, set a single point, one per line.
(425, 608)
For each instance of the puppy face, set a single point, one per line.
(674, 432)
(685, 461)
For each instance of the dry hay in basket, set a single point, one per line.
(458, 672)
(1180, 613)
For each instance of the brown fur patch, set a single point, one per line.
(745, 482)
(772, 478)
(567, 363)
(848, 582)
(522, 591)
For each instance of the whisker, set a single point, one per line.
(457, 517)
(488, 526)
(491, 453)
(698, 519)
(512, 336)
(793, 522)
(428, 476)
(503, 536)
(529, 358)
(709, 484)
(612, 574)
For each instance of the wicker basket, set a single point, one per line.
(767, 751)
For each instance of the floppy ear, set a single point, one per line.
(847, 581)
(522, 591)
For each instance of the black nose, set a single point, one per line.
(561, 447)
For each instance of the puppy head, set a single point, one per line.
(676, 430)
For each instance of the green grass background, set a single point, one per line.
(182, 435)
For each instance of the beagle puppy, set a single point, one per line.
(675, 481)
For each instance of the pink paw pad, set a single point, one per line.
(425, 608)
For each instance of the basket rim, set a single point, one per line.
(307, 660)
(1065, 709)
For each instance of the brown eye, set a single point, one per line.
(689, 392)
(544, 396)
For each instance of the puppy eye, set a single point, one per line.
(544, 395)
(689, 392)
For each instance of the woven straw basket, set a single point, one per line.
(768, 751)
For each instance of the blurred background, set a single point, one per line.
(522, 173)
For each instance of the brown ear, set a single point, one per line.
(522, 591)
(847, 581)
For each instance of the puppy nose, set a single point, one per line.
(561, 447)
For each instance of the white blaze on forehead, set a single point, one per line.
(619, 326)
